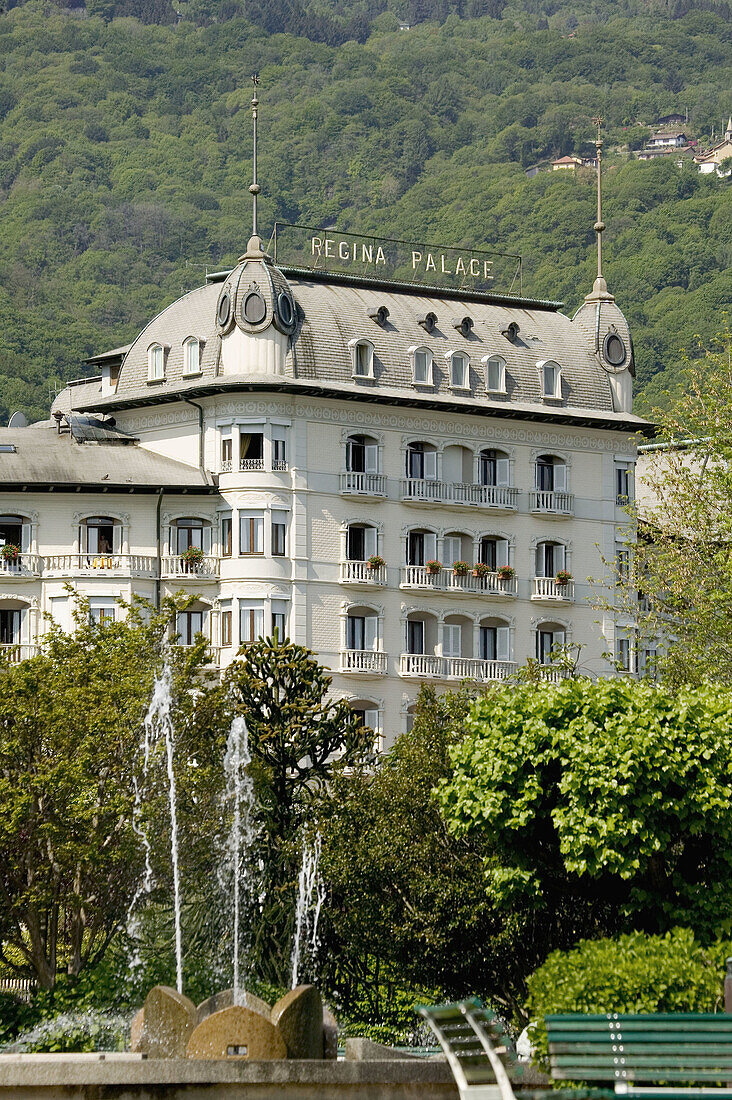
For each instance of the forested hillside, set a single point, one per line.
(125, 158)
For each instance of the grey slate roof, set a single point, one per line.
(43, 457)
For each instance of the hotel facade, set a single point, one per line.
(415, 482)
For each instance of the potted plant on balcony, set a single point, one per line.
(192, 557)
(481, 570)
(376, 562)
(433, 567)
(506, 572)
(10, 552)
(460, 568)
(563, 577)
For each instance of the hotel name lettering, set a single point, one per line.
(422, 261)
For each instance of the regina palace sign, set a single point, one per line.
(330, 250)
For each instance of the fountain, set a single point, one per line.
(239, 800)
(310, 897)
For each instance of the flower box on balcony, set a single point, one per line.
(10, 552)
(481, 570)
(563, 577)
(460, 568)
(376, 562)
(192, 557)
(433, 568)
(506, 573)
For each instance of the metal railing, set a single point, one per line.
(447, 580)
(360, 572)
(547, 588)
(17, 652)
(548, 501)
(176, 566)
(251, 463)
(280, 464)
(25, 565)
(363, 660)
(127, 565)
(361, 484)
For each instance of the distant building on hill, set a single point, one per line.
(675, 119)
(667, 139)
(564, 163)
(711, 160)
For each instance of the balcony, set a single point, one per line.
(419, 490)
(24, 567)
(549, 503)
(360, 573)
(355, 483)
(251, 464)
(549, 590)
(15, 653)
(552, 674)
(367, 662)
(177, 566)
(446, 580)
(95, 565)
(422, 665)
(469, 668)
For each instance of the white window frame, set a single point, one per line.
(154, 362)
(450, 358)
(103, 609)
(249, 606)
(487, 360)
(556, 393)
(429, 379)
(354, 345)
(192, 350)
(249, 515)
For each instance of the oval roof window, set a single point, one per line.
(613, 349)
(254, 308)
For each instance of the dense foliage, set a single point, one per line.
(124, 157)
(630, 973)
(612, 797)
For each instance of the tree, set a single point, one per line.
(605, 803)
(683, 561)
(70, 723)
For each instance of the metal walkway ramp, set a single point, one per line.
(476, 1047)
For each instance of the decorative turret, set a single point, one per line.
(602, 321)
(256, 314)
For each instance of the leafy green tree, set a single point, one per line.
(71, 721)
(610, 798)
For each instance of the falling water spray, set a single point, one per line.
(239, 797)
(310, 897)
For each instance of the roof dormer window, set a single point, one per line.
(192, 352)
(464, 325)
(458, 367)
(422, 366)
(156, 355)
(379, 314)
(495, 373)
(551, 379)
(362, 358)
(428, 322)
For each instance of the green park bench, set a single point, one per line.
(674, 1054)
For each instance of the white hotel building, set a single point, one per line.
(290, 425)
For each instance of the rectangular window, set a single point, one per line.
(251, 534)
(623, 565)
(189, 532)
(459, 372)
(279, 619)
(453, 549)
(226, 530)
(156, 363)
(279, 534)
(624, 484)
(356, 632)
(452, 640)
(101, 609)
(226, 628)
(251, 450)
(10, 621)
(188, 625)
(227, 452)
(251, 621)
(191, 357)
(279, 454)
(488, 643)
(550, 378)
(495, 380)
(622, 654)
(362, 360)
(415, 636)
(423, 368)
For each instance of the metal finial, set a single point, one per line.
(599, 224)
(255, 188)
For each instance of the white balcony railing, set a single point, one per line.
(360, 484)
(176, 566)
(251, 463)
(551, 503)
(446, 580)
(547, 588)
(360, 572)
(421, 490)
(420, 664)
(227, 465)
(368, 661)
(470, 668)
(15, 653)
(91, 565)
(25, 565)
(553, 674)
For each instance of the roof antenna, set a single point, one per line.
(255, 247)
(599, 226)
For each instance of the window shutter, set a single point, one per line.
(451, 547)
(559, 557)
(371, 458)
(117, 538)
(25, 537)
(502, 471)
(503, 641)
(206, 540)
(451, 640)
(430, 546)
(430, 465)
(501, 552)
(83, 545)
(541, 560)
(370, 624)
(560, 477)
(369, 542)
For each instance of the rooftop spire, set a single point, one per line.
(599, 224)
(255, 247)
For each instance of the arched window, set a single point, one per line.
(551, 378)
(367, 713)
(458, 366)
(457, 638)
(156, 363)
(192, 351)
(422, 461)
(362, 629)
(362, 358)
(192, 622)
(100, 535)
(191, 533)
(362, 454)
(494, 640)
(548, 636)
(495, 373)
(11, 531)
(550, 558)
(421, 546)
(457, 547)
(422, 366)
(493, 551)
(361, 541)
(494, 467)
(551, 474)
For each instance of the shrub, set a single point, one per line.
(631, 973)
